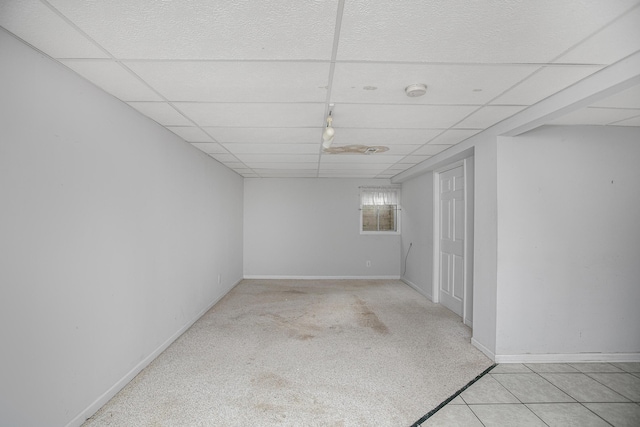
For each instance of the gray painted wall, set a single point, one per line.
(417, 230)
(310, 228)
(569, 243)
(556, 243)
(113, 234)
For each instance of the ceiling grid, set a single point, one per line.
(250, 83)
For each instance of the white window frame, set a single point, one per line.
(398, 217)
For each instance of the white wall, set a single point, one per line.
(569, 244)
(417, 228)
(113, 233)
(310, 228)
(485, 262)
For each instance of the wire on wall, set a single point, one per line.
(405, 259)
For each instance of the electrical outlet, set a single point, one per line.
(368, 263)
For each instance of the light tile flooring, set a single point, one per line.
(548, 394)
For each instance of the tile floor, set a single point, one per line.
(548, 394)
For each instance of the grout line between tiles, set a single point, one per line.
(581, 403)
(615, 391)
(476, 415)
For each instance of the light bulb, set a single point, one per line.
(328, 133)
(327, 137)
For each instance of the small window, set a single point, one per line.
(379, 210)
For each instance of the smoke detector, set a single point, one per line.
(415, 90)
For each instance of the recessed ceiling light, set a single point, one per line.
(416, 89)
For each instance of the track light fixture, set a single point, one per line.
(329, 131)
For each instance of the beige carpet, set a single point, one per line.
(304, 353)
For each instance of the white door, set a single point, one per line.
(452, 234)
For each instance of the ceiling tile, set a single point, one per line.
(210, 147)
(244, 170)
(359, 158)
(266, 135)
(253, 115)
(398, 150)
(224, 157)
(256, 166)
(469, 32)
(289, 174)
(202, 29)
(113, 78)
(629, 98)
(613, 43)
(236, 81)
(279, 158)
(273, 148)
(446, 84)
(453, 136)
(266, 171)
(414, 159)
(354, 165)
(190, 133)
(234, 165)
(634, 121)
(489, 115)
(544, 83)
(286, 170)
(386, 137)
(161, 112)
(596, 116)
(432, 150)
(347, 174)
(398, 116)
(38, 25)
(398, 167)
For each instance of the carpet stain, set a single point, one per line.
(296, 328)
(269, 379)
(304, 337)
(367, 318)
(293, 291)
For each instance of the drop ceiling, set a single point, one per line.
(250, 82)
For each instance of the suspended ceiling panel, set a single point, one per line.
(251, 83)
(448, 84)
(460, 31)
(236, 81)
(202, 29)
(113, 78)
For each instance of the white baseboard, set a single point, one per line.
(491, 355)
(567, 358)
(418, 289)
(106, 396)
(469, 323)
(322, 277)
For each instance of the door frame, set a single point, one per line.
(467, 295)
